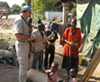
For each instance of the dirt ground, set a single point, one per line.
(9, 73)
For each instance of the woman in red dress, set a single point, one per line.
(72, 41)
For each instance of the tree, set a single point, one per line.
(4, 5)
(23, 4)
(28, 2)
(72, 8)
(40, 6)
(16, 8)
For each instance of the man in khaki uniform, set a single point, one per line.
(38, 45)
(21, 31)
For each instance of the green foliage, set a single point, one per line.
(16, 8)
(73, 11)
(72, 8)
(23, 4)
(4, 5)
(40, 6)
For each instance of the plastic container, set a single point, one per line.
(80, 58)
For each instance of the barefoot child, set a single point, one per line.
(52, 72)
(73, 77)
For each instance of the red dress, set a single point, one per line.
(70, 59)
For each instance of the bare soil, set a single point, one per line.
(9, 73)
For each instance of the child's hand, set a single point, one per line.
(48, 71)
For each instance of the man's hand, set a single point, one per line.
(32, 38)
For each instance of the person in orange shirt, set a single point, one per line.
(72, 41)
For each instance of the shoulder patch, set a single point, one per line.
(19, 21)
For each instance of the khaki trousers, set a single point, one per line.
(22, 50)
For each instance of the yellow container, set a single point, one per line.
(80, 58)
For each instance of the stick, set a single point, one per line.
(95, 61)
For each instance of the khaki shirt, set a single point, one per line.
(39, 45)
(19, 26)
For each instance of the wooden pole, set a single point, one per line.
(91, 68)
(65, 12)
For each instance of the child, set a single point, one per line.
(73, 77)
(52, 73)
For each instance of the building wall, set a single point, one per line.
(51, 15)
